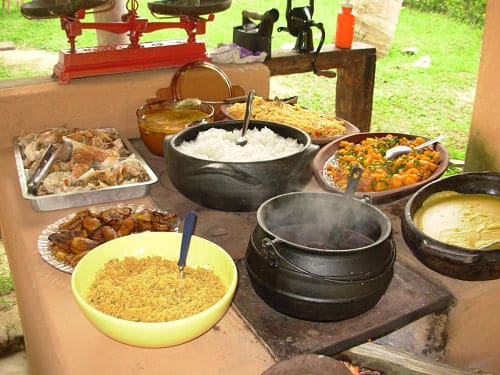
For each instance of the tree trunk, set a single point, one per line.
(376, 22)
(105, 38)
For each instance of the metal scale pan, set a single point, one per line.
(188, 7)
(55, 9)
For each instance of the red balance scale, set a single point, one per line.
(91, 61)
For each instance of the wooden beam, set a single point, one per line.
(396, 362)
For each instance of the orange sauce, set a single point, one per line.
(155, 126)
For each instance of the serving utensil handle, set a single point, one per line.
(430, 142)
(187, 232)
(248, 112)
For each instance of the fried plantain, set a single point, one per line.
(88, 229)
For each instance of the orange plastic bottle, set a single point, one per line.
(345, 26)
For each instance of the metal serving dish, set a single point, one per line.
(92, 197)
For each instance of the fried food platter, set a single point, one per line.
(65, 259)
(100, 170)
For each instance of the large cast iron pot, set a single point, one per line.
(238, 186)
(449, 260)
(320, 257)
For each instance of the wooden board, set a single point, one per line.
(392, 361)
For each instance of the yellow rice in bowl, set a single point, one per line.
(151, 290)
(203, 254)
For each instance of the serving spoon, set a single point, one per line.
(242, 140)
(396, 151)
(493, 245)
(187, 233)
(194, 102)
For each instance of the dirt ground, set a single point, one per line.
(14, 361)
(34, 60)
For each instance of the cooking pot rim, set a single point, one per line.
(431, 242)
(167, 104)
(340, 279)
(256, 123)
(385, 234)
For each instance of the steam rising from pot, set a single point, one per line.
(309, 222)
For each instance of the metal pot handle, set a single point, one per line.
(226, 170)
(309, 153)
(272, 254)
(166, 142)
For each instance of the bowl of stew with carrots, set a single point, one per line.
(382, 180)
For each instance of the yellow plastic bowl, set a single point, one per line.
(166, 244)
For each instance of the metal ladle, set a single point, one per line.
(493, 245)
(242, 140)
(396, 151)
(187, 233)
(350, 190)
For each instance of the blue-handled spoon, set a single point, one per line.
(187, 232)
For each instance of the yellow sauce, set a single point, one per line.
(465, 220)
(171, 119)
(155, 126)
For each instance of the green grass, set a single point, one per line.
(421, 101)
(6, 286)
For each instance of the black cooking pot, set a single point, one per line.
(320, 257)
(238, 186)
(449, 260)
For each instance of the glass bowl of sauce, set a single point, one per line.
(161, 118)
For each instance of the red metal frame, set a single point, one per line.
(90, 61)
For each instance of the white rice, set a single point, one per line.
(220, 145)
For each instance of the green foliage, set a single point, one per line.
(6, 285)
(472, 11)
(5, 303)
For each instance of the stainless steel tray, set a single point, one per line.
(66, 200)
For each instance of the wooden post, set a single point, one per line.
(354, 92)
(105, 38)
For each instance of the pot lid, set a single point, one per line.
(202, 80)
